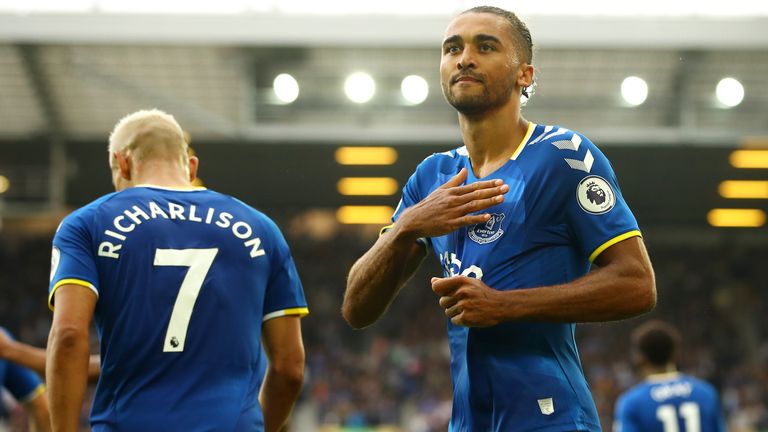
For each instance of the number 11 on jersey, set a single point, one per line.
(199, 262)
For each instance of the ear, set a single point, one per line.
(194, 163)
(525, 75)
(123, 165)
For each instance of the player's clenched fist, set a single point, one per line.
(469, 302)
(450, 206)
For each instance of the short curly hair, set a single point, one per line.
(657, 342)
(521, 33)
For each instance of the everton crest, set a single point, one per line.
(489, 231)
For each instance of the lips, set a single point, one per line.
(466, 78)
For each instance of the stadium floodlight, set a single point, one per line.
(749, 159)
(749, 189)
(364, 155)
(5, 184)
(736, 218)
(360, 87)
(364, 214)
(634, 90)
(729, 92)
(415, 89)
(367, 186)
(286, 88)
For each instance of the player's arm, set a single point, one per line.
(621, 287)
(281, 338)
(26, 387)
(34, 357)
(68, 354)
(377, 277)
(38, 413)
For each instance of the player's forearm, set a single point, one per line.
(38, 414)
(25, 355)
(605, 294)
(66, 376)
(377, 276)
(278, 395)
(94, 367)
(34, 358)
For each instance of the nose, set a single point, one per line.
(466, 59)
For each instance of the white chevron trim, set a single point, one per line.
(585, 165)
(571, 144)
(558, 132)
(543, 134)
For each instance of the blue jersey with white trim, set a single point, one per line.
(21, 382)
(563, 208)
(184, 279)
(669, 402)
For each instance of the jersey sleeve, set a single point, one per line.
(623, 420)
(284, 294)
(717, 418)
(597, 214)
(72, 259)
(411, 195)
(21, 382)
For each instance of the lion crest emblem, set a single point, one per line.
(595, 195)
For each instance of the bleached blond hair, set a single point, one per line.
(149, 134)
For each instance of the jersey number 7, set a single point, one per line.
(199, 262)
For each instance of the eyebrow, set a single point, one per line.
(486, 38)
(452, 39)
(479, 38)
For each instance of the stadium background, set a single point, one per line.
(69, 70)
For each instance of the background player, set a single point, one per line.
(27, 388)
(522, 208)
(33, 357)
(182, 282)
(667, 400)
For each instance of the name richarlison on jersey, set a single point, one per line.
(128, 220)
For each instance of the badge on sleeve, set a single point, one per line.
(595, 195)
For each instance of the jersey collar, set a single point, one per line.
(178, 189)
(521, 146)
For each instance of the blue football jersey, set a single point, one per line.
(184, 278)
(21, 382)
(563, 208)
(672, 402)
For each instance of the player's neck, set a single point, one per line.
(492, 139)
(161, 175)
(652, 372)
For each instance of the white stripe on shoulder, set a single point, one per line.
(569, 144)
(543, 134)
(558, 132)
(583, 165)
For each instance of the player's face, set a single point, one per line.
(479, 67)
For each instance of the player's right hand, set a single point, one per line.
(451, 206)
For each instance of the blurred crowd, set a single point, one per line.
(394, 376)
